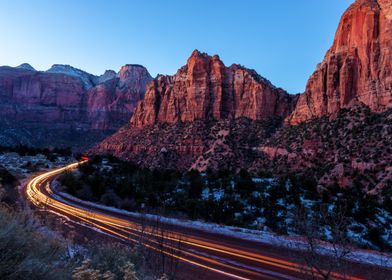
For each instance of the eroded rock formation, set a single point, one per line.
(205, 89)
(358, 66)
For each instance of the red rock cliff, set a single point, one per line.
(206, 89)
(358, 66)
(65, 97)
(111, 104)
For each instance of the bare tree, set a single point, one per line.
(318, 225)
(158, 248)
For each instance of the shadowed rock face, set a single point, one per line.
(358, 66)
(111, 104)
(205, 89)
(68, 98)
(29, 96)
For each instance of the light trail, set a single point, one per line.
(124, 229)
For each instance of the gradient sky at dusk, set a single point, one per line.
(283, 40)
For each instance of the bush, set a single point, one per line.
(27, 254)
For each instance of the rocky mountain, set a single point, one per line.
(205, 89)
(66, 98)
(186, 119)
(111, 103)
(108, 75)
(358, 66)
(26, 66)
(211, 116)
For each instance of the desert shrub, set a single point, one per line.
(25, 253)
(28, 251)
(107, 261)
(8, 190)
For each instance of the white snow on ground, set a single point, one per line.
(216, 193)
(262, 180)
(358, 255)
(205, 193)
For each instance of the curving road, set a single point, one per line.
(218, 256)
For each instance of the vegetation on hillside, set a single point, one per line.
(351, 147)
(232, 199)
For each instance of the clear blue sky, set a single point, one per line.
(283, 40)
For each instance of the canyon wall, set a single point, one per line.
(358, 66)
(63, 97)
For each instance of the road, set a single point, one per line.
(218, 256)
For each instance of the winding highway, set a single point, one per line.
(218, 256)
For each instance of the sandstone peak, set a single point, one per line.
(202, 56)
(197, 53)
(116, 98)
(131, 70)
(205, 89)
(358, 66)
(110, 73)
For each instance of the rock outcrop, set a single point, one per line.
(37, 97)
(88, 79)
(358, 66)
(205, 89)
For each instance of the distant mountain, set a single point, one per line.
(88, 80)
(65, 98)
(26, 66)
(112, 102)
(108, 75)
